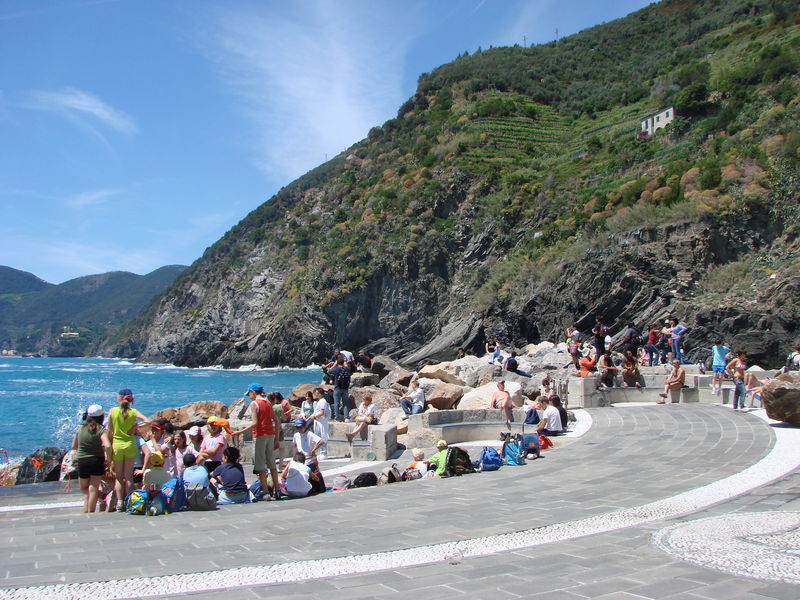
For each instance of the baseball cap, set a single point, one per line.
(299, 422)
(220, 422)
(255, 387)
(193, 430)
(125, 393)
(94, 410)
(157, 425)
(157, 459)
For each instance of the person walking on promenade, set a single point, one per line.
(720, 355)
(736, 370)
(124, 449)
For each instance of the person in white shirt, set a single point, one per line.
(550, 423)
(308, 443)
(367, 415)
(321, 416)
(414, 401)
(295, 477)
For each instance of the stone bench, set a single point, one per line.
(455, 426)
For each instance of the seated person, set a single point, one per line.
(156, 473)
(608, 370)
(308, 443)
(229, 477)
(512, 364)
(587, 362)
(562, 412)
(414, 400)
(674, 380)
(439, 460)
(630, 370)
(502, 399)
(193, 473)
(419, 463)
(295, 477)
(550, 423)
(367, 415)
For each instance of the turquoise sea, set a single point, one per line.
(42, 399)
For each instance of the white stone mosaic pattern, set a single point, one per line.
(759, 545)
(782, 459)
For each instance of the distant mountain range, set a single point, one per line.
(70, 319)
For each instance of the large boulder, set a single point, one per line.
(468, 369)
(392, 416)
(382, 365)
(481, 397)
(364, 379)
(383, 399)
(194, 413)
(8, 473)
(396, 377)
(421, 438)
(441, 372)
(444, 396)
(782, 398)
(298, 394)
(42, 465)
(239, 416)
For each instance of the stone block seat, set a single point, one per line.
(583, 392)
(456, 425)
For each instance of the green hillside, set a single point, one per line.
(511, 195)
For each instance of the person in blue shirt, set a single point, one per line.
(194, 473)
(720, 355)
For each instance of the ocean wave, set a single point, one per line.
(29, 381)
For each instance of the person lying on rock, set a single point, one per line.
(414, 400)
(550, 423)
(511, 364)
(367, 415)
(502, 399)
(674, 381)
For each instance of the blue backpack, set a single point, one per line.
(490, 459)
(513, 453)
(136, 502)
(157, 504)
(175, 494)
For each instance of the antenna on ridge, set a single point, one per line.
(556, 36)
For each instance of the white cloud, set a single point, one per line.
(312, 81)
(91, 198)
(82, 105)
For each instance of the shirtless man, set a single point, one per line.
(674, 380)
(502, 399)
(608, 369)
(736, 369)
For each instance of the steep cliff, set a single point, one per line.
(512, 197)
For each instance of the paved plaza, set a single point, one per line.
(677, 501)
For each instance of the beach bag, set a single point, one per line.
(457, 463)
(136, 502)
(545, 442)
(390, 475)
(513, 454)
(490, 459)
(411, 474)
(530, 444)
(342, 482)
(199, 497)
(156, 502)
(366, 479)
(174, 494)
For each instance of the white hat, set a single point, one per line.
(94, 410)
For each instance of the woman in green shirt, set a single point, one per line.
(122, 434)
(93, 453)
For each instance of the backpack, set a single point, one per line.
(390, 475)
(136, 502)
(530, 444)
(342, 482)
(545, 442)
(174, 494)
(199, 497)
(457, 463)
(513, 453)
(156, 503)
(411, 473)
(490, 459)
(366, 479)
(343, 379)
(532, 418)
(328, 394)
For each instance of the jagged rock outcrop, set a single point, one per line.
(42, 465)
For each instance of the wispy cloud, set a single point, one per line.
(93, 198)
(311, 86)
(77, 104)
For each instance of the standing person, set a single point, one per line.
(124, 448)
(674, 380)
(736, 370)
(653, 334)
(502, 399)
(574, 344)
(93, 453)
(367, 415)
(720, 355)
(321, 416)
(195, 435)
(599, 331)
(793, 360)
(341, 390)
(631, 339)
(285, 407)
(675, 331)
(414, 400)
(266, 429)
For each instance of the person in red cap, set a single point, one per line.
(266, 429)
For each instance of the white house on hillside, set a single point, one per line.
(655, 121)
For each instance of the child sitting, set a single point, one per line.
(156, 473)
(296, 476)
(229, 477)
(420, 464)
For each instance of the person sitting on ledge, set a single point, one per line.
(674, 380)
(502, 399)
(587, 362)
(550, 423)
(414, 400)
(562, 412)
(630, 370)
(608, 370)
(367, 415)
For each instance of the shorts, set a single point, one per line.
(121, 452)
(718, 369)
(91, 466)
(263, 453)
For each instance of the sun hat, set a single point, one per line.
(299, 422)
(255, 387)
(157, 459)
(219, 421)
(441, 444)
(193, 430)
(94, 410)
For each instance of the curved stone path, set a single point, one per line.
(631, 457)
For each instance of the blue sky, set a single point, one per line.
(133, 134)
